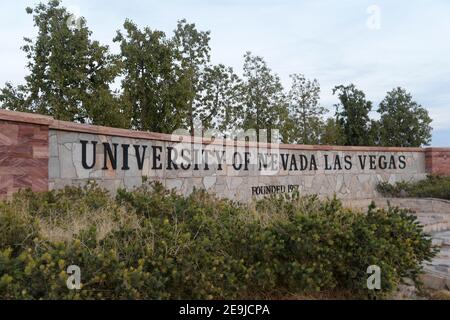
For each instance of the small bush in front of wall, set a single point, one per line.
(431, 187)
(154, 244)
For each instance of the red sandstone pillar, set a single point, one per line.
(437, 161)
(24, 152)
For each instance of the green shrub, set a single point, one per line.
(17, 230)
(431, 187)
(154, 244)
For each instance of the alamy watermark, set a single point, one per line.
(75, 20)
(374, 280)
(249, 150)
(373, 22)
(74, 280)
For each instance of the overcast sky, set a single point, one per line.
(336, 42)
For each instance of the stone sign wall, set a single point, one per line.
(42, 153)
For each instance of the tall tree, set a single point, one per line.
(332, 133)
(404, 122)
(219, 104)
(305, 111)
(193, 53)
(153, 86)
(70, 74)
(263, 97)
(352, 114)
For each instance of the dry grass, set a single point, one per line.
(65, 221)
(104, 220)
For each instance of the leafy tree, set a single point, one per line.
(404, 122)
(263, 97)
(69, 73)
(352, 114)
(219, 104)
(374, 133)
(153, 87)
(332, 133)
(169, 83)
(193, 54)
(305, 112)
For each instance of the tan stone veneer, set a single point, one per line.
(40, 152)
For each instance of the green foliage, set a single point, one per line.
(69, 75)
(198, 247)
(431, 187)
(16, 230)
(193, 51)
(168, 84)
(153, 89)
(352, 114)
(264, 102)
(220, 104)
(332, 133)
(305, 112)
(403, 123)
